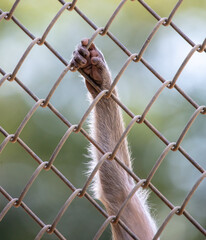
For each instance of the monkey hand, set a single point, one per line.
(92, 62)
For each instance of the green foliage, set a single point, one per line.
(169, 114)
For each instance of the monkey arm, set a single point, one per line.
(113, 184)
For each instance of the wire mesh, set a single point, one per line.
(15, 138)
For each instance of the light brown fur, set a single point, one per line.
(113, 184)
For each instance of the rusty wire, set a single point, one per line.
(17, 201)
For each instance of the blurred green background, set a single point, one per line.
(169, 114)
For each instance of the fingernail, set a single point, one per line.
(84, 42)
(94, 60)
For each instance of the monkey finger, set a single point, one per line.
(80, 60)
(84, 42)
(84, 52)
(74, 65)
(94, 53)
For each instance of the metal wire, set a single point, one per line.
(18, 201)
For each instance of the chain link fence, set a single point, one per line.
(15, 138)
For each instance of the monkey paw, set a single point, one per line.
(92, 62)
